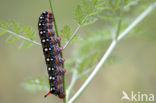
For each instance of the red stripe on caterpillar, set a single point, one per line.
(51, 52)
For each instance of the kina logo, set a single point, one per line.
(137, 97)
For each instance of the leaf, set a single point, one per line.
(12, 38)
(87, 10)
(96, 7)
(25, 44)
(93, 41)
(2, 32)
(28, 31)
(32, 35)
(85, 6)
(4, 24)
(86, 62)
(36, 84)
(95, 11)
(93, 1)
(78, 15)
(69, 63)
(116, 4)
(107, 14)
(83, 65)
(17, 30)
(65, 32)
(100, 4)
(128, 4)
(15, 27)
(89, 20)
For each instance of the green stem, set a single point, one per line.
(55, 25)
(20, 36)
(119, 20)
(75, 32)
(73, 81)
(61, 54)
(118, 27)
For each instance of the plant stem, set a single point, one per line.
(75, 32)
(73, 81)
(55, 25)
(93, 74)
(119, 21)
(110, 49)
(137, 20)
(61, 54)
(75, 77)
(118, 27)
(20, 36)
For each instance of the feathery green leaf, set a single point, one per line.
(65, 32)
(17, 31)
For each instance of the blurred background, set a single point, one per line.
(136, 72)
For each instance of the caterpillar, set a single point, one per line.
(51, 52)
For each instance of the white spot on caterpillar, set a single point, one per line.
(52, 89)
(52, 68)
(49, 48)
(43, 40)
(44, 31)
(39, 24)
(41, 17)
(52, 78)
(48, 59)
(49, 68)
(45, 49)
(41, 32)
(51, 59)
(47, 39)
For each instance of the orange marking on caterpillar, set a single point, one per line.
(47, 25)
(58, 88)
(57, 70)
(57, 60)
(58, 79)
(55, 50)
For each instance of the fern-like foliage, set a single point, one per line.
(85, 13)
(36, 84)
(89, 50)
(18, 31)
(65, 32)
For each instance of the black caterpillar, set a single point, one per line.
(51, 52)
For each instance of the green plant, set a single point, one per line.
(94, 47)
